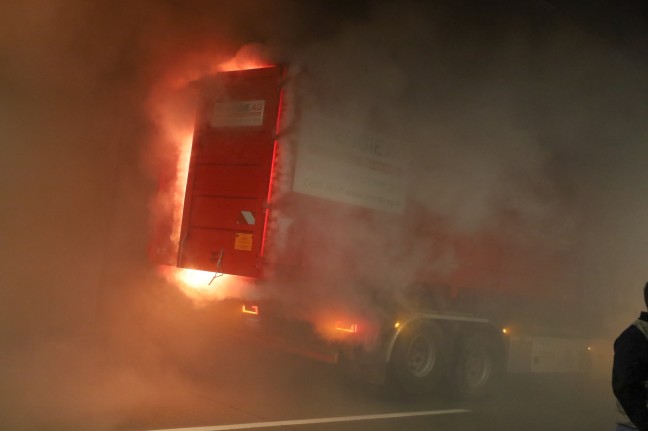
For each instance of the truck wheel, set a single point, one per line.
(419, 358)
(479, 367)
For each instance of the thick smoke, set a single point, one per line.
(509, 135)
(88, 326)
(532, 128)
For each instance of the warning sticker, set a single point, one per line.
(237, 114)
(248, 217)
(243, 241)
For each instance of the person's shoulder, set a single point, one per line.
(631, 334)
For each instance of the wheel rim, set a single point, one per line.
(477, 369)
(421, 356)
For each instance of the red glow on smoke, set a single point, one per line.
(173, 106)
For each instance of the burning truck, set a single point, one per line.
(348, 267)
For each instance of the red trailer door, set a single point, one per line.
(228, 188)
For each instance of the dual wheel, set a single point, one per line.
(423, 358)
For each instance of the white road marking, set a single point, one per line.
(317, 421)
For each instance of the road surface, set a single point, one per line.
(239, 384)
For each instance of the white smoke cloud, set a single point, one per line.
(537, 131)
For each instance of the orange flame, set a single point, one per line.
(194, 278)
(182, 173)
(239, 64)
(194, 283)
(202, 287)
(183, 136)
(172, 109)
(248, 57)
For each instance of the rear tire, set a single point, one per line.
(479, 367)
(419, 359)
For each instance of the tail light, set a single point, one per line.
(348, 328)
(250, 309)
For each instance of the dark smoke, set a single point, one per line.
(517, 117)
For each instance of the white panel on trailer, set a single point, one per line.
(548, 355)
(344, 163)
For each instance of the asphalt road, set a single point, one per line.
(238, 384)
(165, 366)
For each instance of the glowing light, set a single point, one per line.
(194, 278)
(237, 63)
(252, 309)
(194, 283)
(173, 108)
(174, 112)
(505, 330)
(349, 329)
(182, 173)
(589, 348)
(397, 325)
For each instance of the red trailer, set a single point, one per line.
(228, 189)
(337, 183)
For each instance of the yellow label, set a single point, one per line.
(243, 241)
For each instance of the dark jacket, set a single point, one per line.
(630, 373)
